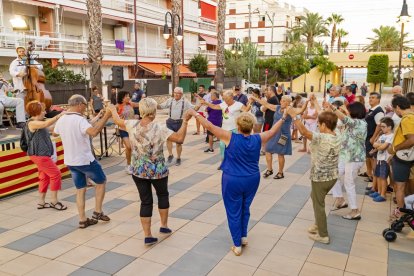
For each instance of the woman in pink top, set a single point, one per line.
(310, 116)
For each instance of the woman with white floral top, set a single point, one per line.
(148, 163)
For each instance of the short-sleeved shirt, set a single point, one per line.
(383, 155)
(353, 140)
(72, 130)
(147, 143)
(97, 102)
(406, 127)
(350, 99)
(126, 111)
(242, 98)
(177, 107)
(215, 116)
(324, 156)
(136, 98)
(270, 113)
(230, 114)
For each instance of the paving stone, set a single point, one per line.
(212, 160)
(180, 185)
(110, 262)
(113, 169)
(221, 233)
(334, 219)
(3, 230)
(195, 178)
(90, 193)
(209, 197)
(301, 166)
(337, 244)
(277, 219)
(87, 272)
(401, 258)
(117, 203)
(195, 142)
(400, 270)
(199, 205)
(170, 271)
(56, 231)
(196, 263)
(185, 213)
(212, 247)
(28, 243)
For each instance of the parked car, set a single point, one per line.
(248, 86)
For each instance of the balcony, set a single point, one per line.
(190, 53)
(53, 42)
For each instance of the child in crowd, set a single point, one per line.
(382, 170)
(310, 116)
(297, 103)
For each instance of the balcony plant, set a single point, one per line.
(199, 65)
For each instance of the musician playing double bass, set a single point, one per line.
(18, 70)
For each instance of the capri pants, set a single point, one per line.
(145, 194)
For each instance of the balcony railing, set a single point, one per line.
(54, 42)
(190, 53)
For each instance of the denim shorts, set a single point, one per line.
(400, 170)
(382, 169)
(123, 133)
(93, 171)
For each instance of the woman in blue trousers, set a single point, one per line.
(241, 175)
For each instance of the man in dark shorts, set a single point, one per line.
(177, 106)
(373, 119)
(268, 114)
(403, 139)
(136, 97)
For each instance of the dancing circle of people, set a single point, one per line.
(340, 135)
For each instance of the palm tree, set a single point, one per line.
(387, 38)
(334, 20)
(95, 41)
(312, 26)
(221, 61)
(176, 56)
(341, 33)
(344, 45)
(293, 36)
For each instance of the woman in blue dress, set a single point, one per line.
(281, 143)
(241, 174)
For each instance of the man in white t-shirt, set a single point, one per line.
(75, 132)
(231, 109)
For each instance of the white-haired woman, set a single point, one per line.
(241, 174)
(281, 143)
(148, 163)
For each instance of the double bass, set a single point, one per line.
(34, 81)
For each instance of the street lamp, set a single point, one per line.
(236, 47)
(403, 18)
(179, 36)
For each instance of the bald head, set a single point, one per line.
(397, 90)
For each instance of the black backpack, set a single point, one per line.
(24, 140)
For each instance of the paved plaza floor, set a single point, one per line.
(48, 242)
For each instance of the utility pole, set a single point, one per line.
(136, 40)
(272, 20)
(250, 40)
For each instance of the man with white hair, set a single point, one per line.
(75, 132)
(335, 92)
(6, 101)
(177, 106)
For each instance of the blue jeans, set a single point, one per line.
(93, 171)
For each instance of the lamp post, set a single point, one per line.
(179, 36)
(236, 50)
(403, 18)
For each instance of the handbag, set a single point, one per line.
(405, 155)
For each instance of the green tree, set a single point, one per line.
(344, 45)
(249, 53)
(235, 65)
(387, 38)
(325, 67)
(334, 20)
(312, 26)
(293, 62)
(199, 65)
(377, 69)
(341, 34)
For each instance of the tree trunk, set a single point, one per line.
(333, 37)
(221, 24)
(176, 53)
(95, 42)
(339, 43)
(320, 82)
(291, 84)
(324, 90)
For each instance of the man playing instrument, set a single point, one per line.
(6, 102)
(18, 70)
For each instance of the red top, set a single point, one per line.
(350, 98)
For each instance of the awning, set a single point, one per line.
(211, 69)
(104, 63)
(165, 68)
(209, 39)
(36, 3)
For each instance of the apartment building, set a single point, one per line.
(59, 30)
(264, 22)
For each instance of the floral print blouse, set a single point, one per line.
(353, 140)
(147, 143)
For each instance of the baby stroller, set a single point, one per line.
(390, 234)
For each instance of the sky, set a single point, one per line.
(361, 16)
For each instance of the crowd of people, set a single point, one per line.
(340, 133)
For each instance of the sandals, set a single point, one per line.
(43, 206)
(267, 173)
(279, 176)
(349, 217)
(100, 216)
(88, 222)
(236, 250)
(58, 206)
(363, 174)
(342, 206)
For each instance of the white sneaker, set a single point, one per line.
(313, 229)
(128, 170)
(318, 238)
(244, 241)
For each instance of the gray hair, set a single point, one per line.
(179, 89)
(287, 98)
(228, 93)
(77, 99)
(338, 88)
(147, 107)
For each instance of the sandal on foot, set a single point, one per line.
(236, 250)
(100, 216)
(267, 173)
(363, 174)
(58, 206)
(88, 222)
(150, 241)
(244, 241)
(342, 206)
(279, 176)
(43, 206)
(165, 230)
(349, 217)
